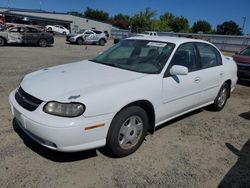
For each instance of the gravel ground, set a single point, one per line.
(200, 149)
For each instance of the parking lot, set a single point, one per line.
(200, 149)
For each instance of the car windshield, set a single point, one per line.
(81, 31)
(144, 56)
(245, 52)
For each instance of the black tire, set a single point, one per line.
(2, 41)
(116, 137)
(102, 42)
(64, 33)
(79, 41)
(42, 43)
(221, 99)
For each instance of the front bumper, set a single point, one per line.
(58, 133)
(70, 39)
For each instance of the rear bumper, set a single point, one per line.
(243, 71)
(51, 40)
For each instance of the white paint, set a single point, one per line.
(105, 90)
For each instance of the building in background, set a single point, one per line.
(43, 18)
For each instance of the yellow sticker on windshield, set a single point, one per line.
(157, 44)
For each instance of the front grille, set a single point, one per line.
(26, 100)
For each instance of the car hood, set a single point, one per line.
(242, 59)
(71, 81)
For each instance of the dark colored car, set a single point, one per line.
(243, 62)
(25, 35)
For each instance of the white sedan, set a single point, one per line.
(115, 99)
(58, 29)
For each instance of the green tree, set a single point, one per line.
(229, 28)
(121, 20)
(166, 21)
(201, 26)
(180, 24)
(143, 20)
(96, 14)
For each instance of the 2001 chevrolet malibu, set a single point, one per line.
(122, 94)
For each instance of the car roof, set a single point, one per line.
(175, 40)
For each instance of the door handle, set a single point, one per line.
(197, 79)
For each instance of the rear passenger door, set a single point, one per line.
(31, 35)
(211, 71)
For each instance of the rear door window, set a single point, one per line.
(209, 56)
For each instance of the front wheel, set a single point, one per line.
(221, 98)
(42, 43)
(79, 41)
(127, 131)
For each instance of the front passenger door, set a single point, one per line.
(182, 92)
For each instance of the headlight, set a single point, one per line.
(72, 109)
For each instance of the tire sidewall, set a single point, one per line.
(3, 41)
(79, 39)
(114, 130)
(42, 45)
(102, 42)
(216, 102)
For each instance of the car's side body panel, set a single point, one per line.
(25, 37)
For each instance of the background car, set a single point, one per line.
(87, 37)
(115, 99)
(25, 35)
(243, 62)
(58, 29)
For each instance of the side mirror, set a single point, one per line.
(178, 70)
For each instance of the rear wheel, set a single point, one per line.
(127, 131)
(2, 41)
(221, 98)
(64, 33)
(42, 43)
(102, 42)
(79, 41)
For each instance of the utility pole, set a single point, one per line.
(243, 25)
(40, 3)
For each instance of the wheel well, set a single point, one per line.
(5, 40)
(229, 82)
(149, 109)
(103, 39)
(80, 38)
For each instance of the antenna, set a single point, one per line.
(244, 21)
